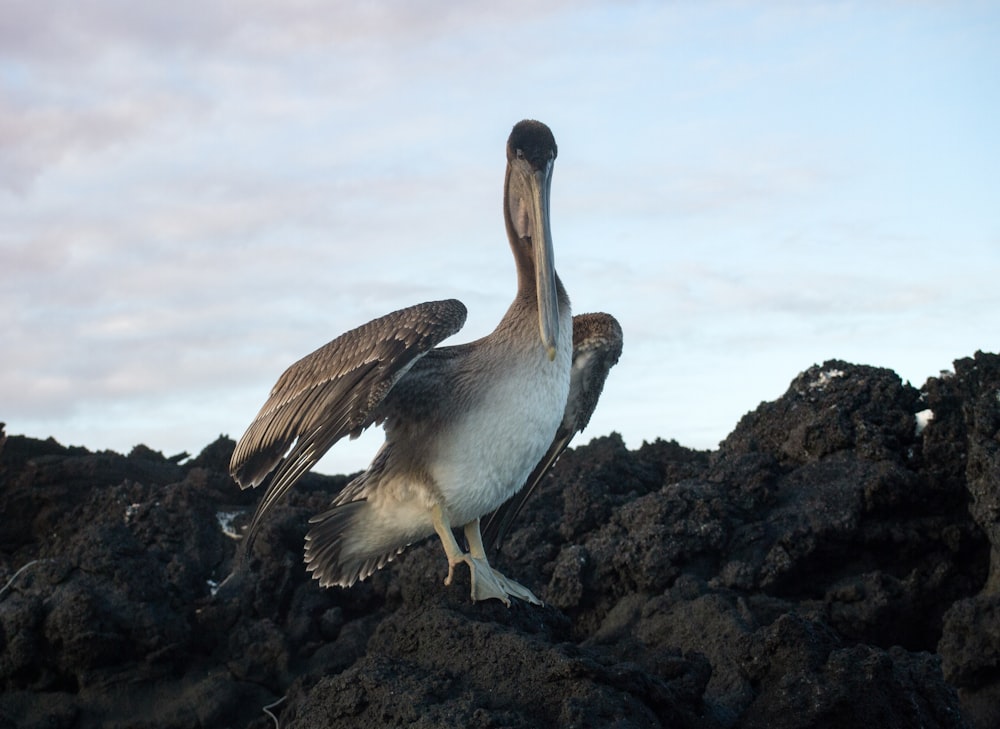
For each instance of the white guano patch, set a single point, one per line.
(226, 519)
(825, 378)
(923, 419)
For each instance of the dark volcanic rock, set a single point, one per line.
(965, 440)
(829, 565)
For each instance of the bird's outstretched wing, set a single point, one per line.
(597, 345)
(334, 392)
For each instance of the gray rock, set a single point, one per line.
(831, 564)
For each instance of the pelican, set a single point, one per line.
(597, 345)
(464, 425)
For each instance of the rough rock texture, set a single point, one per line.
(830, 565)
(965, 448)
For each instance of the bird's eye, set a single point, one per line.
(520, 154)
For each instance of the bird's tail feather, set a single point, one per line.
(340, 549)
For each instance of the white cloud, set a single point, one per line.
(196, 194)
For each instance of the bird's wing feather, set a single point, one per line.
(334, 392)
(597, 345)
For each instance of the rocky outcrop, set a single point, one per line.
(834, 563)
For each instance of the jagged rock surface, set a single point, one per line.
(829, 565)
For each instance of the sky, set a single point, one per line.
(195, 194)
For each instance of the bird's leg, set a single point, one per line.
(486, 581)
(451, 549)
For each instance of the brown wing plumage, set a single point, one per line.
(597, 345)
(334, 392)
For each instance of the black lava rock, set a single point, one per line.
(832, 564)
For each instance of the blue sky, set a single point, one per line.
(196, 194)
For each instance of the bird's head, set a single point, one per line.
(531, 154)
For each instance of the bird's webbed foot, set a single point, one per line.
(486, 582)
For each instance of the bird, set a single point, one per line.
(597, 347)
(465, 425)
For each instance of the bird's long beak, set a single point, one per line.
(545, 266)
(529, 200)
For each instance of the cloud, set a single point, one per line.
(84, 79)
(37, 134)
(196, 194)
(73, 32)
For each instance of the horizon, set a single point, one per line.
(922, 418)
